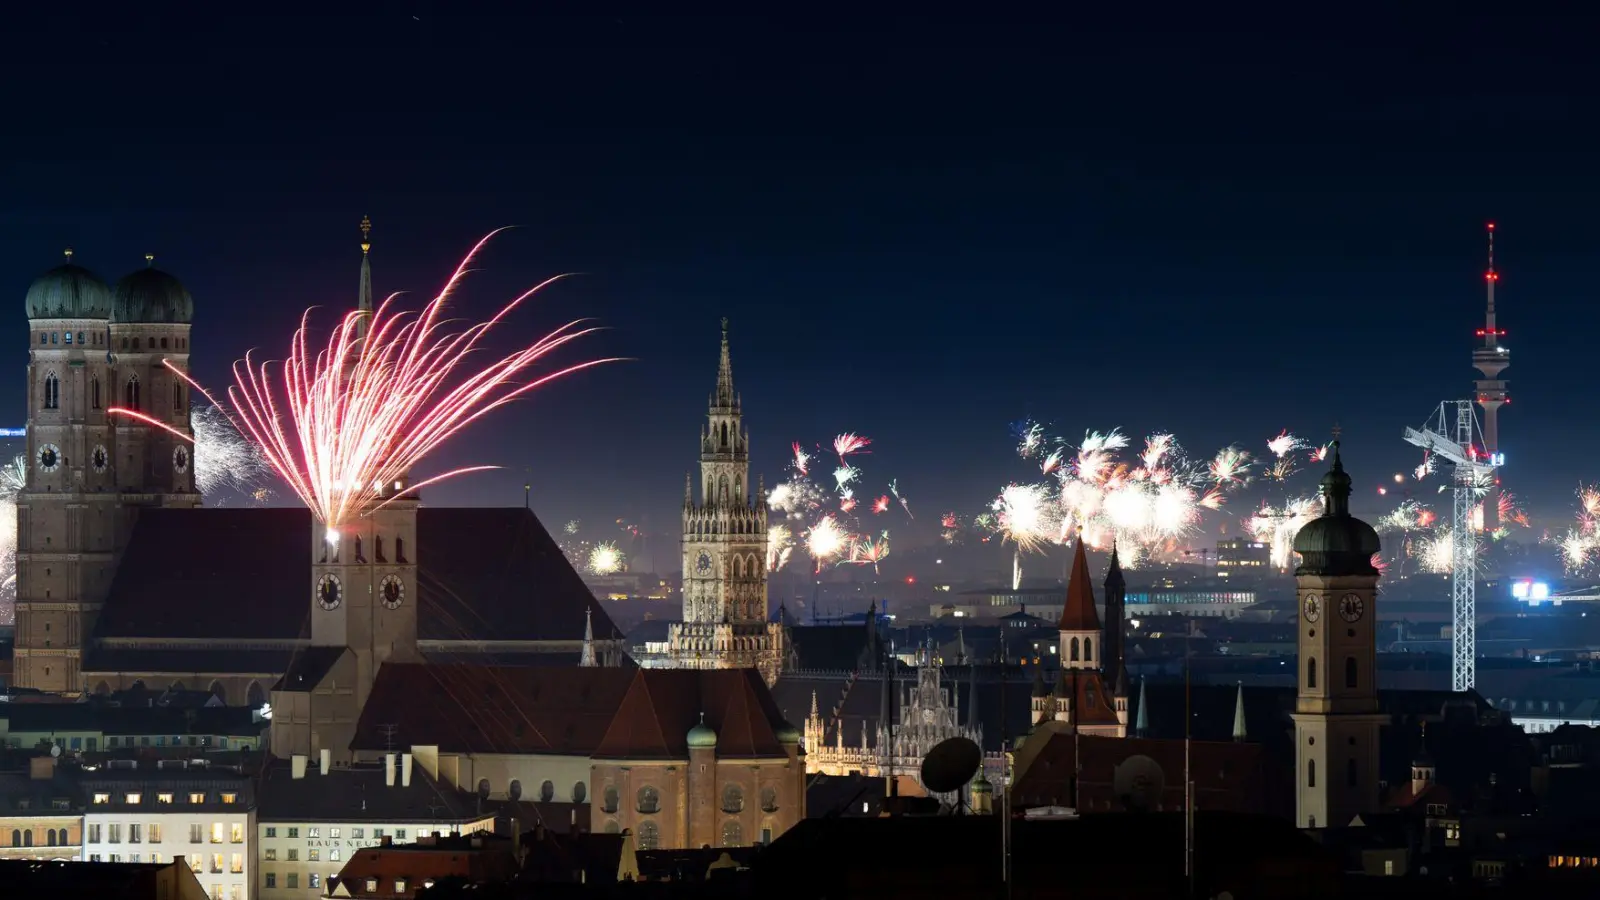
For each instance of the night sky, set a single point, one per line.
(921, 231)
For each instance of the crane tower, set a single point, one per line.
(1473, 473)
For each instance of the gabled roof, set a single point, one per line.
(1079, 614)
(491, 709)
(618, 713)
(357, 794)
(653, 721)
(245, 574)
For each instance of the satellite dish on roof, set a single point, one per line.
(55, 749)
(950, 765)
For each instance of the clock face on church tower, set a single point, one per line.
(1313, 607)
(99, 458)
(330, 593)
(180, 459)
(393, 591)
(49, 457)
(1351, 606)
(702, 564)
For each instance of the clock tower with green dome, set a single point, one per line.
(725, 549)
(1336, 717)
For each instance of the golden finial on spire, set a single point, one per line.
(366, 234)
(69, 254)
(149, 260)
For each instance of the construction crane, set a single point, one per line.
(1454, 442)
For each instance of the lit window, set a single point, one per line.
(358, 833)
(333, 856)
(102, 798)
(236, 864)
(399, 885)
(270, 854)
(155, 832)
(197, 798)
(237, 836)
(314, 880)
(216, 832)
(313, 832)
(230, 798)
(372, 885)
(314, 855)
(216, 863)
(333, 832)
(163, 798)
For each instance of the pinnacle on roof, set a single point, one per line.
(1079, 614)
(1114, 570)
(1141, 723)
(725, 396)
(1239, 732)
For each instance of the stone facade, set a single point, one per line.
(725, 620)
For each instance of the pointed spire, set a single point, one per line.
(587, 659)
(725, 396)
(364, 293)
(1239, 732)
(814, 713)
(1114, 570)
(1336, 485)
(1141, 722)
(1079, 613)
(688, 489)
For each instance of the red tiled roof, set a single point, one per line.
(653, 721)
(619, 713)
(1092, 703)
(1227, 776)
(492, 709)
(1079, 614)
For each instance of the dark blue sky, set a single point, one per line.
(921, 230)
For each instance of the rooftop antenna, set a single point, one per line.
(388, 732)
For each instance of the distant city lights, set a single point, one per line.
(1530, 590)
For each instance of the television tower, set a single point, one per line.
(1490, 360)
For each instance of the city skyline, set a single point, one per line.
(929, 308)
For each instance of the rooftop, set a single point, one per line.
(358, 793)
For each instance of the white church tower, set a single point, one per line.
(725, 549)
(1336, 718)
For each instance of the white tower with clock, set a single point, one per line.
(725, 550)
(364, 571)
(1336, 716)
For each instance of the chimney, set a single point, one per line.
(405, 770)
(177, 860)
(388, 769)
(387, 841)
(297, 765)
(326, 761)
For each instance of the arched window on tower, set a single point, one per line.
(52, 391)
(1350, 772)
(377, 547)
(1311, 671)
(399, 550)
(360, 557)
(1349, 671)
(177, 397)
(130, 394)
(1311, 773)
(69, 338)
(1074, 656)
(1088, 650)
(94, 392)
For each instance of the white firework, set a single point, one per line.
(605, 559)
(222, 457)
(13, 478)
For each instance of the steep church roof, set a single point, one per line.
(245, 574)
(1079, 614)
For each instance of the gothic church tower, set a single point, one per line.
(1336, 718)
(89, 473)
(725, 549)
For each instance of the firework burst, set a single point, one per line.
(605, 559)
(13, 478)
(385, 392)
(222, 457)
(825, 519)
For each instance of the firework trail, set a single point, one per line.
(865, 551)
(605, 559)
(366, 409)
(780, 543)
(846, 444)
(222, 457)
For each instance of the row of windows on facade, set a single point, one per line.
(356, 834)
(197, 863)
(291, 881)
(132, 396)
(649, 799)
(360, 552)
(647, 836)
(140, 833)
(134, 798)
(1350, 669)
(65, 337)
(91, 744)
(53, 837)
